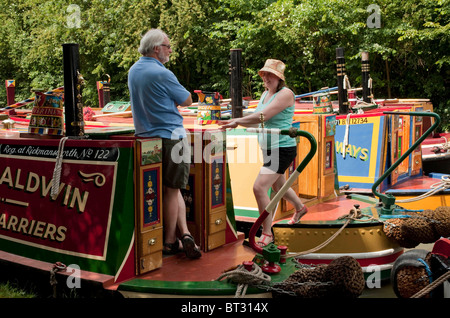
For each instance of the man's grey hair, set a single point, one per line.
(152, 38)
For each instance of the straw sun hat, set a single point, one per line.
(275, 67)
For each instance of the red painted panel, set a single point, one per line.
(76, 221)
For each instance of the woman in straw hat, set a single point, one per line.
(276, 110)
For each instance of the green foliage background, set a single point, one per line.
(409, 52)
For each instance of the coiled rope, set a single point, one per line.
(243, 278)
(360, 104)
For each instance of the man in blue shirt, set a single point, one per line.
(155, 95)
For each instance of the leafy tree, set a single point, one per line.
(408, 49)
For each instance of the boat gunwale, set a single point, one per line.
(329, 224)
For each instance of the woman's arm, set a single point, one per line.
(284, 99)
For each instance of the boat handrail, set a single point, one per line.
(388, 200)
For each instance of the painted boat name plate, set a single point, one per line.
(77, 220)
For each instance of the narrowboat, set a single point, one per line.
(81, 199)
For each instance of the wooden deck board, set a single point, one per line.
(208, 267)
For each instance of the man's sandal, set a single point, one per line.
(191, 250)
(172, 248)
(298, 215)
(264, 240)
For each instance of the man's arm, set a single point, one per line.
(187, 102)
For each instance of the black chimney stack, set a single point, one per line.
(236, 83)
(365, 74)
(342, 93)
(73, 81)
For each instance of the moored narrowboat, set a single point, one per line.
(87, 204)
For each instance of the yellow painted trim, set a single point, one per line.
(356, 179)
(373, 151)
(431, 202)
(350, 240)
(373, 154)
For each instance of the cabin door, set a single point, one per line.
(148, 204)
(318, 178)
(192, 195)
(205, 195)
(416, 133)
(327, 153)
(215, 213)
(399, 145)
(309, 180)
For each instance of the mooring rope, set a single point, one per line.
(435, 188)
(57, 170)
(243, 278)
(355, 214)
(360, 104)
(432, 286)
(346, 83)
(444, 146)
(345, 142)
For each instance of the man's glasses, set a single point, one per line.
(166, 45)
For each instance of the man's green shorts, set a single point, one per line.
(176, 162)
